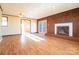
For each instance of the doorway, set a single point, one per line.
(26, 27)
(29, 26)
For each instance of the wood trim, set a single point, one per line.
(9, 15)
(10, 35)
(30, 26)
(1, 8)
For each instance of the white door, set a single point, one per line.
(42, 26)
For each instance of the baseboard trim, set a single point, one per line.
(11, 35)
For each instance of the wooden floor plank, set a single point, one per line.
(13, 45)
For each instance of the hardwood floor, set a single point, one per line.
(45, 45)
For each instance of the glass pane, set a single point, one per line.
(4, 21)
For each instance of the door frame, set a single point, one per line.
(21, 25)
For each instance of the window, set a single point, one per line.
(4, 21)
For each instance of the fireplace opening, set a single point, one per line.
(63, 30)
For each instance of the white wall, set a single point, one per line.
(14, 26)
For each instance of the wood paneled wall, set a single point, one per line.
(67, 16)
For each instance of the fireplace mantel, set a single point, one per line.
(70, 25)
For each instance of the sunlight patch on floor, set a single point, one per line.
(23, 39)
(0, 39)
(28, 36)
(34, 37)
(31, 36)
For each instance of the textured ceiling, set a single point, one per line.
(37, 10)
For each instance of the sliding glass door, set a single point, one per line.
(42, 26)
